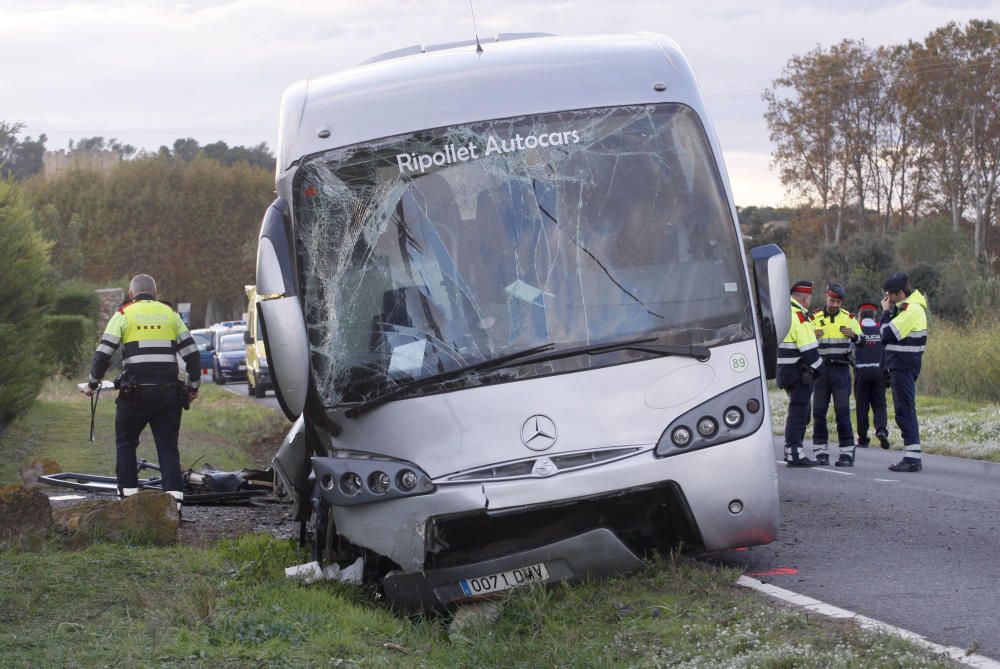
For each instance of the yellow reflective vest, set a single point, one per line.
(151, 335)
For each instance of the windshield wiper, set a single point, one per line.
(502, 361)
(702, 353)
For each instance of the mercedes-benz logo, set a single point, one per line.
(539, 432)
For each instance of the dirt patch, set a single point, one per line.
(204, 525)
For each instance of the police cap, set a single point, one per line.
(802, 287)
(897, 282)
(835, 290)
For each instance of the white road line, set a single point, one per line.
(956, 654)
(833, 471)
(886, 480)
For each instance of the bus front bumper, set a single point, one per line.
(598, 553)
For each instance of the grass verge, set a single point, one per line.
(220, 428)
(231, 606)
(948, 426)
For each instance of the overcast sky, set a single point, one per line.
(150, 72)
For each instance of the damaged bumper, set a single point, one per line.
(594, 554)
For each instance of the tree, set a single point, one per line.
(24, 279)
(191, 224)
(19, 159)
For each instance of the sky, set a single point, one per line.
(149, 72)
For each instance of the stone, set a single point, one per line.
(149, 516)
(36, 468)
(25, 516)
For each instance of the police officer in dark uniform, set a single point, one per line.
(837, 331)
(151, 335)
(904, 338)
(869, 379)
(799, 364)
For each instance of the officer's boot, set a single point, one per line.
(906, 465)
(821, 455)
(863, 441)
(883, 439)
(846, 458)
(799, 460)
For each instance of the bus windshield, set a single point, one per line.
(437, 250)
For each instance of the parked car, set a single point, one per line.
(203, 339)
(230, 358)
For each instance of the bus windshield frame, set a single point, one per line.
(438, 250)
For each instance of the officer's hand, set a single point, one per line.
(886, 303)
(87, 390)
(819, 333)
(192, 394)
(846, 331)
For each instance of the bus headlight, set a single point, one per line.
(707, 426)
(717, 421)
(352, 478)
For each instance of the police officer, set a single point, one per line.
(799, 364)
(904, 338)
(837, 330)
(869, 379)
(151, 335)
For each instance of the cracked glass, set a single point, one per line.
(432, 251)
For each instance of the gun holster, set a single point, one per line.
(125, 387)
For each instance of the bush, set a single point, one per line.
(76, 299)
(68, 339)
(24, 272)
(962, 361)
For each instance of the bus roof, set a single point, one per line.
(425, 87)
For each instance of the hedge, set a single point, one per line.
(68, 341)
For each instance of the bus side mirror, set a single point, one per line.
(770, 273)
(247, 339)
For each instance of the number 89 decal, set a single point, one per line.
(738, 363)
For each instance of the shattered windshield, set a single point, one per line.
(432, 251)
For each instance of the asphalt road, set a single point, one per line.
(241, 389)
(920, 551)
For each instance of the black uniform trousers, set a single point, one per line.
(904, 402)
(835, 383)
(869, 395)
(159, 407)
(799, 398)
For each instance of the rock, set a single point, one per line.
(147, 517)
(25, 516)
(36, 468)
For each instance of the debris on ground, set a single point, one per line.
(205, 486)
(310, 572)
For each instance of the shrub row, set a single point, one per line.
(962, 361)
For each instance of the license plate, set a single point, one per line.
(505, 580)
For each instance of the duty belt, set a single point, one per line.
(152, 379)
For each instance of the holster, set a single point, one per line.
(126, 388)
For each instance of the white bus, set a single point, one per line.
(506, 303)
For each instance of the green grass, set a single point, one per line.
(221, 428)
(231, 606)
(948, 426)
